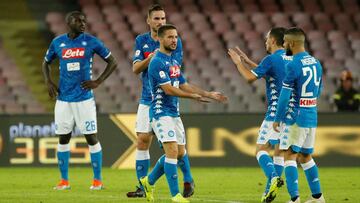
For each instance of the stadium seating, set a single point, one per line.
(208, 28)
(15, 96)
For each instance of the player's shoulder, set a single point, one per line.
(59, 38)
(90, 37)
(143, 37)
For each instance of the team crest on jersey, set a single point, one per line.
(62, 45)
(174, 71)
(73, 53)
(84, 43)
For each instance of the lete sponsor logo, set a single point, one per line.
(73, 53)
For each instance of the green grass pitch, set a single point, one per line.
(228, 185)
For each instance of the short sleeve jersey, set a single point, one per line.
(164, 69)
(144, 46)
(76, 59)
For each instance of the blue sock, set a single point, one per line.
(291, 175)
(279, 165)
(170, 168)
(266, 163)
(312, 176)
(96, 159)
(157, 171)
(268, 184)
(63, 154)
(142, 163)
(184, 165)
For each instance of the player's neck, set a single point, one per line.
(73, 35)
(164, 51)
(297, 50)
(154, 36)
(274, 49)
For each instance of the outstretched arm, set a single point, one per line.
(173, 91)
(110, 67)
(52, 88)
(211, 95)
(238, 61)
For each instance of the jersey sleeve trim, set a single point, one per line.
(107, 56)
(164, 83)
(135, 61)
(253, 72)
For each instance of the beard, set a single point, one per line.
(168, 48)
(288, 52)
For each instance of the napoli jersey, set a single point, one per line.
(303, 77)
(164, 69)
(76, 58)
(144, 46)
(272, 68)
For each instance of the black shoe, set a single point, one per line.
(188, 189)
(137, 193)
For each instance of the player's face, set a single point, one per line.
(169, 40)
(156, 20)
(287, 46)
(77, 24)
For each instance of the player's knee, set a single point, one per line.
(261, 147)
(65, 138)
(143, 141)
(304, 158)
(91, 139)
(181, 153)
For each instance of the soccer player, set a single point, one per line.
(145, 46)
(75, 102)
(303, 77)
(272, 68)
(167, 84)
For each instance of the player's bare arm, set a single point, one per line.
(140, 66)
(52, 88)
(110, 67)
(238, 61)
(173, 91)
(217, 96)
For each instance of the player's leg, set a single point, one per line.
(278, 160)
(85, 119)
(291, 140)
(64, 122)
(183, 159)
(310, 168)
(96, 160)
(144, 138)
(263, 147)
(291, 175)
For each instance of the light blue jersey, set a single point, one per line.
(303, 77)
(144, 46)
(76, 58)
(164, 69)
(272, 68)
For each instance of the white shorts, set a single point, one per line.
(267, 134)
(300, 140)
(169, 129)
(143, 124)
(82, 113)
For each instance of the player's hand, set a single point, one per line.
(199, 98)
(235, 57)
(90, 84)
(276, 126)
(242, 55)
(52, 89)
(218, 96)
